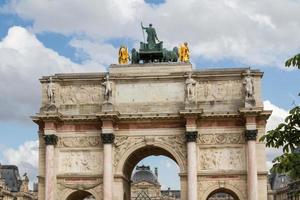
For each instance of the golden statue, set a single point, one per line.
(123, 55)
(184, 53)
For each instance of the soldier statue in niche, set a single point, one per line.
(108, 88)
(249, 89)
(50, 92)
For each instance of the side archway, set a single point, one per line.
(79, 195)
(222, 193)
(230, 192)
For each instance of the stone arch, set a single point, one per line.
(140, 151)
(67, 194)
(234, 192)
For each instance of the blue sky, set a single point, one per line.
(71, 36)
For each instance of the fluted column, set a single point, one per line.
(107, 140)
(191, 138)
(250, 136)
(50, 142)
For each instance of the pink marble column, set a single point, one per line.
(50, 142)
(250, 136)
(191, 138)
(107, 137)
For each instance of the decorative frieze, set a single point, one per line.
(221, 138)
(250, 134)
(50, 139)
(107, 138)
(81, 94)
(191, 136)
(84, 141)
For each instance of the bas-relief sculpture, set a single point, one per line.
(80, 94)
(222, 159)
(196, 91)
(79, 162)
(219, 90)
(221, 138)
(125, 143)
(82, 141)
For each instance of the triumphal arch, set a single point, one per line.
(95, 127)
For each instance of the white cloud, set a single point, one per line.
(277, 117)
(24, 59)
(25, 157)
(251, 32)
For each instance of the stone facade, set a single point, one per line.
(100, 140)
(145, 185)
(12, 186)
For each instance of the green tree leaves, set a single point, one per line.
(294, 61)
(286, 135)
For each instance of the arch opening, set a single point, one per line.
(222, 194)
(143, 161)
(81, 195)
(141, 153)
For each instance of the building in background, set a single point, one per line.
(145, 186)
(282, 187)
(14, 187)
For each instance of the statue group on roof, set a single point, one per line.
(153, 51)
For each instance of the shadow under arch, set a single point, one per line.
(80, 195)
(223, 190)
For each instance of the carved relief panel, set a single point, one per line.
(87, 141)
(219, 90)
(125, 143)
(222, 159)
(80, 162)
(81, 94)
(221, 138)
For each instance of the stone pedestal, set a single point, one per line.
(50, 142)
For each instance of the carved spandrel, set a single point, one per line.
(89, 141)
(222, 159)
(221, 138)
(124, 143)
(219, 90)
(87, 94)
(80, 162)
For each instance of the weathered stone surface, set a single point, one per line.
(149, 113)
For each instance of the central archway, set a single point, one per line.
(81, 195)
(138, 154)
(222, 194)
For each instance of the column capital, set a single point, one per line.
(107, 138)
(191, 136)
(50, 139)
(250, 134)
